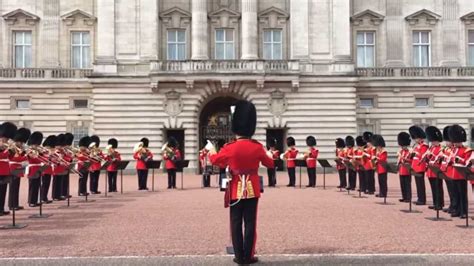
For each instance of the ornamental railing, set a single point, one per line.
(413, 72)
(44, 73)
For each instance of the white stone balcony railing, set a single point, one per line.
(413, 72)
(44, 73)
(226, 66)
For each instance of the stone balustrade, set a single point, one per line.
(414, 72)
(44, 73)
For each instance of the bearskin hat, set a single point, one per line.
(446, 133)
(290, 141)
(271, 142)
(244, 119)
(145, 142)
(417, 132)
(69, 139)
(85, 141)
(7, 130)
(172, 142)
(404, 139)
(350, 142)
(378, 141)
(36, 138)
(61, 140)
(96, 140)
(113, 142)
(50, 141)
(311, 141)
(433, 134)
(367, 136)
(360, 141)
(340, 143)
(22, 135)
(457, 134)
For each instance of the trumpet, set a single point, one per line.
(94, 153)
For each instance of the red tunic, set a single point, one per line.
(16, 161)
(447, 161)
(381, 160)
(82, 158)
(433, 153)
(243, 158)
(114, 158)
(169, 164)
(417, 164)
(311, 157)
(34, 164)
(59, 160)
(341, 155)
(462, 155)
(96, 164)
(141, 164)
(369, 154)
(4, 163)
(403, 158)
(290, 157)
(358, 153)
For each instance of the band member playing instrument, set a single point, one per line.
(435, 137)
(403, 159)
(275, 155)
(340, 158)
(69, 139)
(60, 165)
(49, 144)
(83, 159)
(96, 163)
(243, 158)
(381, 164)
(419, 166)
(17, 157)
(142, 154)
(445, 167)
(358, 163)
(368, 161)
(114, 157)
(349, 156)
(462, 154)
(35, 161)
(290, 157)
(171, 155)
(311, 157)
(206, 167)
(7, 133)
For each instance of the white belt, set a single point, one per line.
(4, 160)
(290, 159)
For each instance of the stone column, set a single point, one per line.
(149, 30)
(394, 22)
(341, 31)
(199, 30)
(105, 58)
(450, 33)
(249, 29)
(299, 29)
(50, 35)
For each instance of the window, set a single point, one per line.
(22, 104)
(366, 102)
(472, 101)
(79, 132)
(176, 44)
(272, 45)
(80, 47)
(422, 101)
(22, 49)
(80, 103)
(365, 49)
(225, 44)
(470, 59)
(421, 48)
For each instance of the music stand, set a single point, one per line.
(102, 168)
(392, 168)
(300, 163)
(86, 165)
(325, 164)
(180, 165)
(153, 165)
(14, 174)
(39, 174)
(439, 175)
(468, 175)
(121, 165)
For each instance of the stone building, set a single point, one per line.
(155, 68)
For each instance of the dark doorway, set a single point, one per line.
(280, 135)
(178, 134)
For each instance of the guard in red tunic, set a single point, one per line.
(380, 164)
(404, 158)
(358, 163)
(368, 161)
(341, 167)
(349, 156)
(82, 166)
(113, 156)
(418, 165)
(275, 155)
(17, 157)
(311, 157)
(60, 167)
(290, 156)
(35, 162)
(206, 167)
(7, 133)
(435, 137)
(445, 167)
(142, 154)
(462, 154)
(96, 164)
(49, 143)
(171, 155)
(243, 158)
(70, 156)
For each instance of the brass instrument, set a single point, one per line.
(168, 151)
(94, 152)
(143, 151)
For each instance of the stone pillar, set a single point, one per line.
(199, 30)
(50, 35)
(105, 58)
(149, 30)
(249, 29)
(299, 29)
(450, 33)
(341, 32)
(395, 24)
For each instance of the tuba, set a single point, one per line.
(168, 151)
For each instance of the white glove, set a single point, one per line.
(269, 154)
(282, 156)
(300, 156)
(209, 146)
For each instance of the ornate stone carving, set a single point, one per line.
(73, 16)
(273, 17)
(190, 85)
(175, 18)
(18, 15)
(429, 17)
(154, 87)
(468, 18)
(173, 104)
(260, 84)
(224, 17)
(367, 17)
(225, 83)
(295, 85)
(277, 103)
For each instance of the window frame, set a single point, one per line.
(81, 46)
(359, 102)
(272, 43)
(225, 43)
(419, 45)
(24, 46)
(469, 45)
(76, 136)
(14, 103)
(428, 97)
(365, 45)
(73, 106)
(177, 43)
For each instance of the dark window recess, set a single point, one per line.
(81, 103)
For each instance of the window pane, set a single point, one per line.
(181, 52)
(471, 55)
(369, 38)
(366, 102)
(19, 56)
(416, 37)
(425, 56)
(267, 51)
(472, 101)
(277, 52)
(360, 38)
(220, 35)
(28, 37)
(360, 56)
(229, 35)
(181, 36)
(85, 57)
(28, 57)
(267, 36)
(425, 37)
(19, 37)
(86, 38)
(416, 56)
(76, 38)
(277, 36)
(22, 104)
(229, 52)
(81, 103)
(471, 36)
(219, 51)
(422, 102)
(171, 52)
(369, 56)
(76, 57)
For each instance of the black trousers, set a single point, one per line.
(405, 185)
(420, 187)
(33, 190)
(142, 178)
(14, 193)
(311, 177)
(222, 174)
(112, 181)
(57, 186)
(437, 191)
(65, 186)
(292, 176)
(3, 191)
(370, 180)
(45, 187)
(83, 182)
(451, 194)
(383, 187)
(271, 177)
(171, 178)
(352, 179)
(460, 187)
(94, 183)
(362, 180)
(244, 243)
(342, 178)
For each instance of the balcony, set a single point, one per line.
(226, 67)
(44, 73)
(415, 72)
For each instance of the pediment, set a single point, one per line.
(175, 11)
(367, 15)
(17, 14)
(224, 12)
(468, 18)
(78, 14)
(280, 13)
(424, 14)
